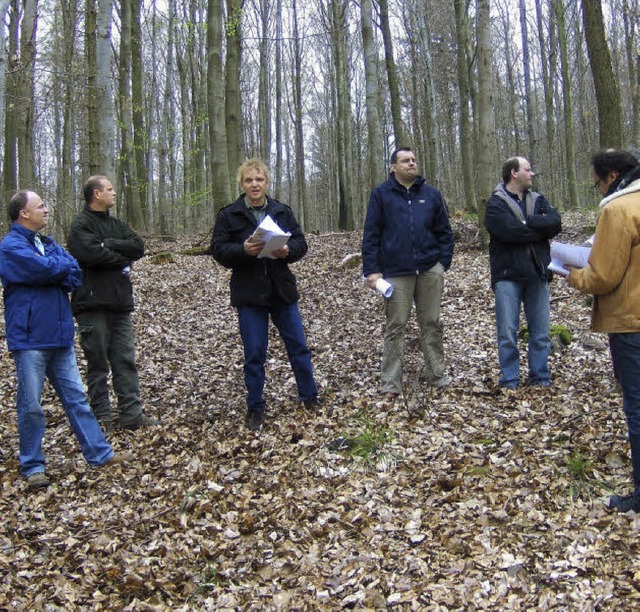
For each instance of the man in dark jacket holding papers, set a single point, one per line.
(263, 286)
(521, 222)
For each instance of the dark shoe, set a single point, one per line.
(510, 386)
(119, 459)
(37, 480)
(440, 383)
(312, 404)
(141, 423)
(624, 503)
(107, 426)
(254, 420)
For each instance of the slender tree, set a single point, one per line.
(604, 79)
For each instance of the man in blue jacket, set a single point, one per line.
(408, 241)
(37, 276)
(520, 223)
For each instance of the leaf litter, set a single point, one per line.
(463, 498)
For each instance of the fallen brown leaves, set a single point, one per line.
(472, 500)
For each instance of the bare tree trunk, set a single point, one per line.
(216, 105)
(486, 126)
(392, 75)
(570, 162)
(139, 182)
(344, 153)
(264, 106)
(105, 108)
(10, 154)
(466, 137)
(125, 162)
(233, 104)
(26, 159)
(604, 79)
(631, 20)
(65, 189)
(431, 163)
(298, 127)
(376, 155)
(528, 93)
(278, 95)
(548, 60)
(91, 164)
(4, 7)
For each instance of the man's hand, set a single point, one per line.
(252, 249)
(372, 279)
(282, 253)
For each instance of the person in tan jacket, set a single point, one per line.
(612, 276)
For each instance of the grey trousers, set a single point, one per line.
(425, 290)
(107, 341)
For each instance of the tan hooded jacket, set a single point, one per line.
(613, 273)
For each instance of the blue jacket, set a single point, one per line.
(519, 246)
(36, 302)
(406, 231)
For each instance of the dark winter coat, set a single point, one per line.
(406, 231)
(105, 247)
(257, 282)
(519, 246)
(36, 287)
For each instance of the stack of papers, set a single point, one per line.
(568, 254)
(270, 233)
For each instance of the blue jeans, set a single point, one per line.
(534, 295)
(61, 368)
(254, 330)
(625, 352)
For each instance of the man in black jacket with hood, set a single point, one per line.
(263, 287)
(521, 222)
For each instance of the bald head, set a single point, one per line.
(26, 208)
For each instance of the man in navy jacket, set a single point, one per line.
(37, 276)
(521, 222)
(408, 241)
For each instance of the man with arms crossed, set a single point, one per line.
(520, 223)
(37, 276)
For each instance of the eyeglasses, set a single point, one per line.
(596, 185)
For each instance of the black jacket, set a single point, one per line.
(257, 282)
(519, 247)
(105, 247)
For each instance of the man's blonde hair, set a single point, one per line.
(251, 164)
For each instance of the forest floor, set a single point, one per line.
(462, 498)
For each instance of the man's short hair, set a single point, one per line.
(394, 156)
(613, 160)
(513, 163)
(17, 203)
(251, 164)
(91, 184)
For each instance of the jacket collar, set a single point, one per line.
(631, 188)
(396, 184)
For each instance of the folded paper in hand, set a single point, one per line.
(273, 237)
(567, 254)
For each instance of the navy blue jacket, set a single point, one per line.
(105, 247)
(406, 231)
(520, 251)
(257, 282)
(36, 302)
